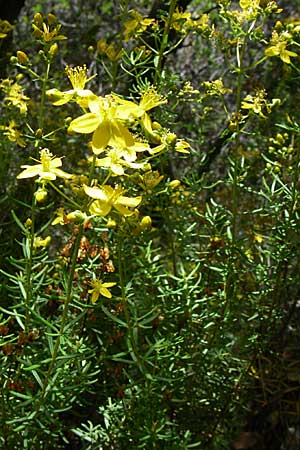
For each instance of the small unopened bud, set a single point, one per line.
(53, 50)
(39, 133)
(280, 138)
(28, 223)
(38, 19)
(14, 60)
(174, 184)
(68, 120)
(146, 222)
(52, 19)
(76, 216)
(22, 57)
(41, 195)
(156, 126)
(171, 138)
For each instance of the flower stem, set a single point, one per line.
(164, 41)
(64, 316)
(29, 264)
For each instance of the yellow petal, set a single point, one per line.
(131, 202)
(101, 136)
(96, 193)
(120, 135)
(87, 123)
(99, 208)
(32, 171)
(123, 210)
(108, 285)
(105, 292)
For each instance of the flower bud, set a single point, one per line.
(13, 60)
(22, 57)
(171, 138)
(52, 19)
(76, 216)
(28, 223)
(174, 184)
(40, 195)
(146, 222)
(53, 50)
(38, 19)
(39, 133)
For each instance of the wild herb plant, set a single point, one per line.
(154, 283)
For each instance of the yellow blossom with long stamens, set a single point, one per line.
(78, 78)
(149, 100)
(106, 197)
(105, 123)
(47, 169)
(115, 162)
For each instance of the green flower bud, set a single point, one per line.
(53, 50)
(22, 57)
(174, 184)
(146, 222)
(52, 19)
(41, 195)
(38, 19)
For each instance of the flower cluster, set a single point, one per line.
(123, 141)
(14, 95)
(183, 23)
(278, 47)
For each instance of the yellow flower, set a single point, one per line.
(78, 78)
(215, 88)
(13, 134)
(39, 242)
(46, 35)
(5, 28)
(14, 95)
(46, 170)
(110, 50)
(256, 103)
(107, 197)
(100, 288)
(60, 217)
(116, 163)
(149, 180)
(136, 25)
(278, 47)
(105, 124)
(149, 100)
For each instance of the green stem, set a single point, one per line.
(164, 41)
(64, 195)
(64, 317)
(130, 328)
(43, 96)
(29, 264)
